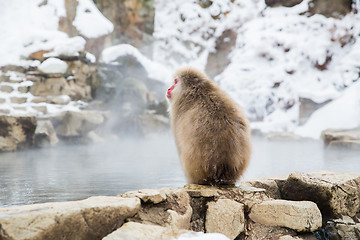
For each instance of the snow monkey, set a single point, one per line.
(211, 132)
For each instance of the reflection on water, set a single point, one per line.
(77, 172)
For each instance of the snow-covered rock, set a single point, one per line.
(68, 47)
(343, 113)
(90, 22)
(53, 65)
(154, 69)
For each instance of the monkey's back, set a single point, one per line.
(213, 140)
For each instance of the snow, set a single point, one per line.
(342, 113)
(90, 22)
(28, 28)
(280, 55)
(53, 65)
(155, 70)
(32, 26)
(68, 47)
(202, 236)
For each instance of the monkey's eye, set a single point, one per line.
(176, 80)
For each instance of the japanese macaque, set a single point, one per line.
(211, 132)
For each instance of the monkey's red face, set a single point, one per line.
(170, 90)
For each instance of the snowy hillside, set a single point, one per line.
(280, 56)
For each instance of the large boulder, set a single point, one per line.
(296, 215)
(92, 218)
(16, 132)
(335, 193)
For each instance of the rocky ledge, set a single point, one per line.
(321, 205)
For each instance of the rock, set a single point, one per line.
(271, 185)
(301, 237)
(257, 231)
(23, 89)
(60, 86)
(92, 218)
(81, 71)
(138, 231)
(2, 100)
(6, 88)
(4, 111)
(225, 216)
(134, 26)
(308, 107)
(330, 8)
(302, 216)
(75, 124)
(40, 108)
(347, 144)
(69, 24)
(218, 60)
(148, 195)
(53, 65)
(243, 194)
(62, 99)
(282, 136)
(40, 100)
(201, 195)
(341, 138)
(18, 100)
(50, 87)
(45, 134)
(343, 228)
(284, 3)
(38, 55)
(175, 212)
(334, 193)
(16, 132)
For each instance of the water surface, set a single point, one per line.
(75, 172)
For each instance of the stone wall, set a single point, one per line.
(320, 205)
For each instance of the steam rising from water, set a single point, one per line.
(114, 167)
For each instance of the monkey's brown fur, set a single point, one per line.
(211, 131)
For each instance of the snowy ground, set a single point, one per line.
(277, 59)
